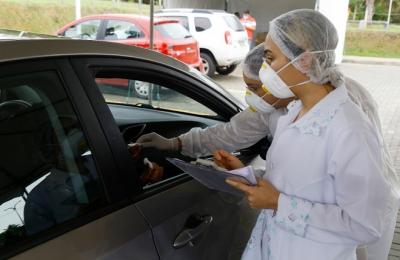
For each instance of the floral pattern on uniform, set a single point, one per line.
(293, 214)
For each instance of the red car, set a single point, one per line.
(170, 37)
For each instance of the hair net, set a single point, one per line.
(362, 98)
(253, 61)
(302, 32)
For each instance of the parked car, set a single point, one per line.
(170, 38)
(69, 188)
(222, 38)
(17, 34)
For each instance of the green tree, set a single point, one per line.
(357, 8)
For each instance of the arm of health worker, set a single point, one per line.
(243, 130)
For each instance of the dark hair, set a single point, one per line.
(247, 11)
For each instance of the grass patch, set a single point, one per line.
(373, 27)
(372, 44)
(46, 16)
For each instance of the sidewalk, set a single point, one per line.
(371, 60)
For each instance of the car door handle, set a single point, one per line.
(189, 235)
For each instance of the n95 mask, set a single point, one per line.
(257, 103)
(274, 83)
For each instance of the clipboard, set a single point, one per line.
(212, 178)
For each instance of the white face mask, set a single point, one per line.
(275, 84)
(257, 103)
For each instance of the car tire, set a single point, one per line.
(208, 62)
(226, 70)
(141, 88)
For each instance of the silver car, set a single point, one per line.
(69, 189)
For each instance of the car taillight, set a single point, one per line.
(228, 37)
(166, 49)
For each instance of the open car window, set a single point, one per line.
(133, 92)
(143, 103)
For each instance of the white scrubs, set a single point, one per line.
(248, 127)
(328, 167)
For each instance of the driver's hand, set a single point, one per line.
(227, 160)
(152, 175)
(154, 140)
(135, 150)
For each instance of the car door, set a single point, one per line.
(62, 194)
(188, 220)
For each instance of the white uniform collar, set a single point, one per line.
(320, 115)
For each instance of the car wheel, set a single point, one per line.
(208, 63)
(141, 89)
(225, 70)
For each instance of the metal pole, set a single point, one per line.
(77, 9)
(151, 23)
(390, 11)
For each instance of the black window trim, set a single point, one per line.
(116, 194)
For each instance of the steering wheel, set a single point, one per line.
(85, 36)
(11, 108)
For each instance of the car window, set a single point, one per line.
(122, 30)
(234, 23)
(86, 30)
(202, 23)
(172, 30)
(181, 19)
(47, 172)
(142, 93)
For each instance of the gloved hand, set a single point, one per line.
(154, 140)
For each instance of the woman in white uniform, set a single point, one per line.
(320, 194)
(324, 192)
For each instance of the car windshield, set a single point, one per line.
(233, 23)
(172, 30)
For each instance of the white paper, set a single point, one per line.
(215, 179)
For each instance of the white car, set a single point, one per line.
(222, 38)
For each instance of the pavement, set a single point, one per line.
(381, 77)
(371, 60)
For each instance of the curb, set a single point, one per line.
(371, 60)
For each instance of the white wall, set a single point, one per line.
(266, 10)
(337, 12)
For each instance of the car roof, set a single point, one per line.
(13, 50)
(142, 18)
(195, 11)
(17, 34)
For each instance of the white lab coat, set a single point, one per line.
(245, 129)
